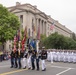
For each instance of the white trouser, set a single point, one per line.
(58, 57)
(24, 62)
(64, 58)
(51, 59)
(55, 57)
(43, 64)
(69, 58)
(74, 59)
(29, 62)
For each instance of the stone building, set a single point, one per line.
(29, 15)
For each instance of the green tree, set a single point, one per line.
(59, 42)
(9, 24)
(41, 43)
(74, 36)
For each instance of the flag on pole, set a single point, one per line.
(35, 34)
(33, 31)
(24, 38)
(15, 41)
(25, 31)
(33, 44)
(52, 26)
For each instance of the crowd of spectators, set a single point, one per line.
(4, 55)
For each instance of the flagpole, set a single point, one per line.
(19, 44)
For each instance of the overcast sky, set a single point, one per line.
(62, 10)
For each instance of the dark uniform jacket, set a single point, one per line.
(12, 54)
(33, 55)
(16, 54)
(21, 54)
(44, 54)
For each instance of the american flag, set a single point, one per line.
(52, 26)
(24, 38)
(25, 31)
(23, 42)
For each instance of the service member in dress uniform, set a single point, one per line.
(37, 61)
(25, 59)
(29, 60)
(43, 57)
(16, 56)
(51, 54)
(19, 58)
(12, 58)
(33, 57)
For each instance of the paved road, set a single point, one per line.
(57, 68)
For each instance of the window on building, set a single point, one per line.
(21, 18)
(32, 21)
(21, 21)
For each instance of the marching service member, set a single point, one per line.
(43, 57)
(24, 60)
(12, 58)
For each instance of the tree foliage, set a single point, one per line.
(59, 42)
(9, 24)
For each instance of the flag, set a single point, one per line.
(23, 42)
(52, 26)
(24, 38)
(25, 31)
(33, 44)
(38, 32)
(15, 41)
(34, 31)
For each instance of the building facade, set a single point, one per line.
(29, 15)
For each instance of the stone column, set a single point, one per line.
(37, 24)
(43, 28)
(40, 27)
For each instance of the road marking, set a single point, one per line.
(63, 71)
(62, 67)
(59, 66)
(13, 71)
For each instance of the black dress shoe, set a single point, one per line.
(29, 68)
(24, 68)
(11, 67)
(44, 70)
(19, 67)
(33, 69)
(15, 67)
(37, 69)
